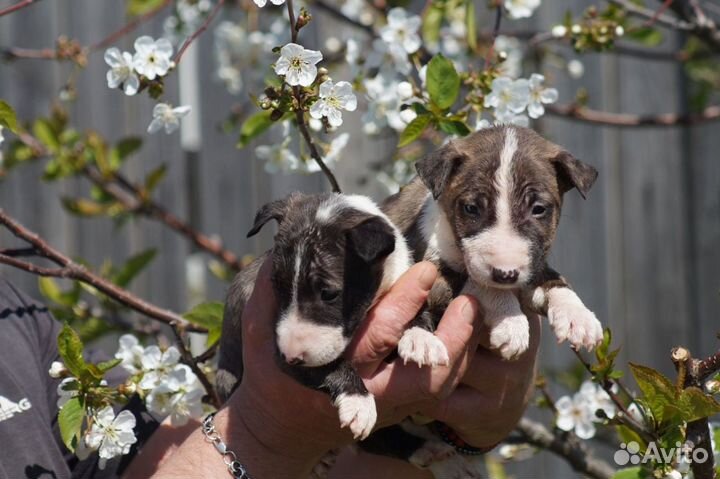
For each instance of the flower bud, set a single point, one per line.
(619, 31)
(576, 29)
(57, 370)
(559, 31)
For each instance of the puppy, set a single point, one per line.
(485, 209)
(333, 256)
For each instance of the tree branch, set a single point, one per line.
(129, 27)
(16, 7)
(647, 13)
(67, 268)
(702, 25)
(336, 13)
(587, 115)
(574, 452)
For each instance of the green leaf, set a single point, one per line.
(70, 420)
(629, 473)
(454, 127)
(106, 366)
(254, 127)
(414, 129)
(70, 348)
(140, 7)
(648, 36)
(628, 435)
(432, 21)
(123, 149)
(443, 82)
(208, 315)
(83, 207)
(695, 404)
(470, 25)
(659, 393)
(133, 267)
(155, 177)
(7, 117)
(50, 289)
(44, 132)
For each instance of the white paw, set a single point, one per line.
(358, 412)
(431, 452)
(510, 335)
(458, 467)
(571, 320)
(422, 347)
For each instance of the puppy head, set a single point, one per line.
(501, 191)
(328, 262)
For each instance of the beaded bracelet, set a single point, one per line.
(449, 436)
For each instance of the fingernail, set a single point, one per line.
(427, 275)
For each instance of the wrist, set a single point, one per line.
(266, 448)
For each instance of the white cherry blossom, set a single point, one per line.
(122, 72)
(2, 138)
(521, 8)
(333, 98)
(332, 154)
(130, 353)
(179, 396)
(512, 50)
(262, 3)
(111, 435)
(165, 116)
(573, 414)
(278, 157)
(387, 95)
(539, 95)
(152, 57)
(509, 97)
(402, 29)
(157, 365)
(298, 64)
(389, 57)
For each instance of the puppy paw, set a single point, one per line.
(458, 467)
(358, 412)
(422, 347)
(431, 452)
(510, 335)
(572, 321)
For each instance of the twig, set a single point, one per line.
(300, 113)
(67, 268)
(199, 31)
(16, 7)
(660, 11)
(587, 115)
(335, 12)
(494, 35)
(708, 366)
(574, 452)
(129, 27)
(702, 25)
(666, 20)
(132, 199)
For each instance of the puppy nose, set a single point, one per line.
(505, 277)
(294, 360)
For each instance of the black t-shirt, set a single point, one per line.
(30, 444)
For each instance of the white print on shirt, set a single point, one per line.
(9, 408)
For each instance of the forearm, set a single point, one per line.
(353, 463)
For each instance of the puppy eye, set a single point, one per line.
(329, 295)
(538, 210)
(471, 209)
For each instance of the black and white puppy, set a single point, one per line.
(487, 207)
(333, 256)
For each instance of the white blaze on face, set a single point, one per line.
(501, 246)
(299, 338)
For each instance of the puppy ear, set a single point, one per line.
(371, 240)
(573, 173)
(436, 169)
(275, 210)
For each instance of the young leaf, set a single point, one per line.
(7, 117)
(629, 473)
(454, 127)
(254, 127)
(123, 149)
(432, 21)
(695, 404)
(443, 82)
(83, 207)
(470, 25)
(659, 393)
(414, 129)
(648, 36)
(155, 177)
(106, 366)
(140, 7)
(45, 132)
(70, 420)
(208, 315)
(133, 266)
(71, 351)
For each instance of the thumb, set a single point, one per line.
(259, 315)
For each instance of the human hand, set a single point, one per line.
(493, 394)
(286, 416)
